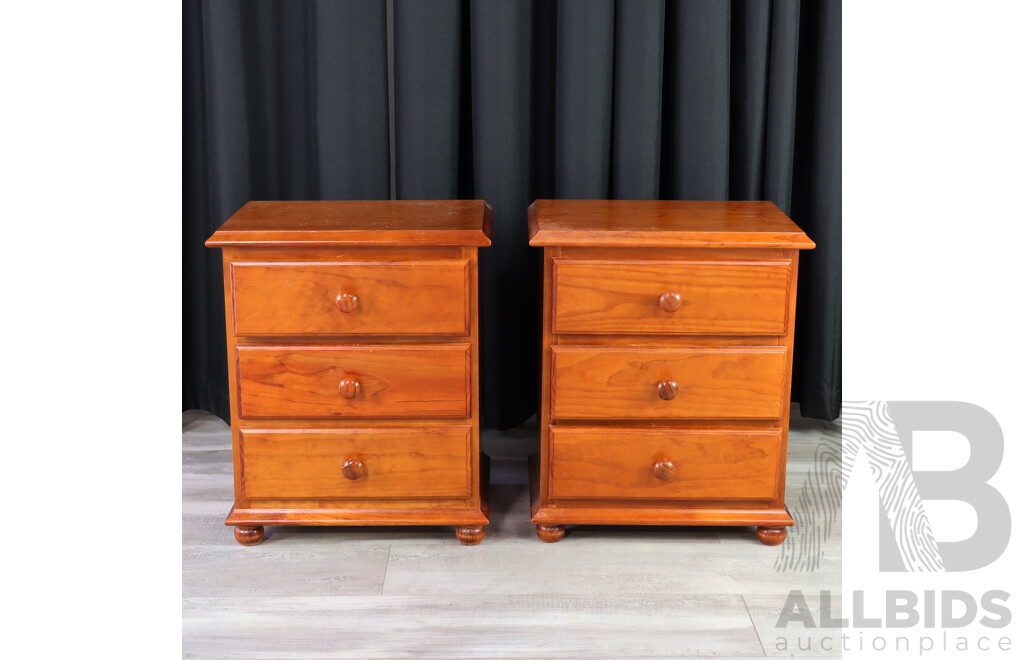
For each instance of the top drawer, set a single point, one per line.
(350, 298)
(671, 297)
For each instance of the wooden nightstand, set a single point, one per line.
(667, 353)
(352, 354)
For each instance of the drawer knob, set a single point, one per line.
(349, 387)
(347, 302)
(665, 470)
(670, 302)
(353, 469)
(668, 389)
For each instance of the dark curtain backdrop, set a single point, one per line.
(509, 101)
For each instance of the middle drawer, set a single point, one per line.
(353, 381)
(694, 382)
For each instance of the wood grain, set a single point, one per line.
(605, 382)
(664, 316)
(550, 533)
(771, 535)
(228, 255)
(529, 624)
(668, 389)
(384, 298)
(603, 592)
(424, 462)
(343, 514)
(789, 342)
(470, 535)
(249, 534)
(621, 463)
(632, 297)
(347, 320)
(353, 468)
(663, 223)
(395, 381)
(405, 223)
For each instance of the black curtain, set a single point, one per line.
(510, 101)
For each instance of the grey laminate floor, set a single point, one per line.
(416, 592)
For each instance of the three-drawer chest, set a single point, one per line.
(666, 359)
(352, 353)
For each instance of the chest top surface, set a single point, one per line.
(444, 223)
(628, 223)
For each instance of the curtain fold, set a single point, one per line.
(780, 128)
(510, 101)
(695, 146)
(281, 100)
(350, 63)
(748, 93)
(583, 97)
(501, 78)
(817, 207)
(636, 117)
(428, 86)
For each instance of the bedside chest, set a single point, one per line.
(666, 359)
(352, 356)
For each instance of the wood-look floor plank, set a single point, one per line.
(281, 569)
(791, 638)
(322, 592)
(579, 565)
(453, 626)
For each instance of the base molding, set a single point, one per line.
(663, 516)
(340, 517)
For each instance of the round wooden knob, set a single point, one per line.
(347, 302)
(353, 469)
(349, 387)
(668, 389)
(665, 470)
(670, 302)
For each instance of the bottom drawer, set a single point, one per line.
(357, 463)
(665, 464)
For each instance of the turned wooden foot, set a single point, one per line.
(470, 535)
(550, 533)
(249, 534)
(771, 535)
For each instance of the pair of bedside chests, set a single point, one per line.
(353, 342)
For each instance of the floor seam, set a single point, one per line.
(387, 565)
(753, 625)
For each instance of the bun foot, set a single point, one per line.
(771, 535)
(550, 533)
(470, 535)
(249, 535)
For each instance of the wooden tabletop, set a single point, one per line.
(377, 223)
(627, 223)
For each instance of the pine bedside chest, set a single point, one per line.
(667, 351)
(352, 355)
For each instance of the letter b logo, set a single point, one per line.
(883, 431)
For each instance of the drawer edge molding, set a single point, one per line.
(266, 377)
(612, 299)
(318, 316)
(374, 445)
(622, 463)
(346, 516)
(633, 374)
